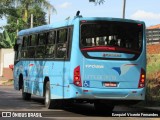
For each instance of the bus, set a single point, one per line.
(95, 60)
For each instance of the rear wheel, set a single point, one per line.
(25, 96)
(49, 103)
(103, 107)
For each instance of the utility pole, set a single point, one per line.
(49, 15)
(124, 7)
(31, 20)
(16, 4)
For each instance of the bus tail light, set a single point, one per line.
(142, 79)
(77, 77)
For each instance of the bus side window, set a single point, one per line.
(33, 40)
(31, 46)
(41, 39)
(61, 46)
(24, 47)
(40, 50)
(17, 48)
(50, 44)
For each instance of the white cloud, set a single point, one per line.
(141, 14)
(65, 5)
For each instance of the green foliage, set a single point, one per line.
(38, 16)
(38, 19)
(18, 17)
(7, 7)
(7, 40)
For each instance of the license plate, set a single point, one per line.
(110, 84)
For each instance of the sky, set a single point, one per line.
(143, 10)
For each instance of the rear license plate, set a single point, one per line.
(110, 84)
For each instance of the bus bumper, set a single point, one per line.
(114, 94)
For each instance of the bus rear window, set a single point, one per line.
(124, 35)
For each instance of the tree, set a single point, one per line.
(18, 20)
(13, 26)
(38, 16)
(6, 40)
(8, 5)
(10, 30)
(28, 4)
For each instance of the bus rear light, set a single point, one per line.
(83, 21)
(77, 77)
(142, 79)
(139, 24)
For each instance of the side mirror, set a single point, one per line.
(16, 47)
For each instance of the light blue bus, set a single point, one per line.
(94, 60)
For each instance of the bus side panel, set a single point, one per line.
(59, 78)
(73, 91)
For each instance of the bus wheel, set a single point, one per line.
(25, 96)
(103, 108)
(49, 103)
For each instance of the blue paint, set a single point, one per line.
(117, 69)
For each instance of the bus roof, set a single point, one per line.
(44, 28)
(68, 23)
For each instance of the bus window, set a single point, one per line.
(51, 37)
(61, 43)
(33, 40)
(126, 36)
(24, 44)
(17, 48)
(31, 52)
(41, 38)
(40, 50)
(24, 47)
(50, 45)
(31, 46)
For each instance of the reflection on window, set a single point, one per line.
(25, 40)
(50, 51)
(33, 39)
(62, 36)
(31, 52)
(51, 37)
(42, 39)
(61, 50)
(24, 54)
(40, 52)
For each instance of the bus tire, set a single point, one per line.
(25, 96)
(103, 108)
(49, 103)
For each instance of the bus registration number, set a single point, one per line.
(110, 84)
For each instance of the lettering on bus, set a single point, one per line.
(100, 77)
(94, 66)
(111, 55)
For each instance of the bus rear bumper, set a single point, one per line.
(114, 94)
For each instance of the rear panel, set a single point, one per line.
(113, 60)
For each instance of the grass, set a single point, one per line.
(153, 63)
(8, 82)
(153, 79)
